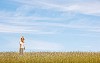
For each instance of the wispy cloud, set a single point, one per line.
(15, 25)
(91, 8)
(10, 22)
(18, 21)
(23, 29)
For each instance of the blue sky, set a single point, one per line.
(50, 25)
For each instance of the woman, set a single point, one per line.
(22, 47)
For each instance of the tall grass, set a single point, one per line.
(50, 57)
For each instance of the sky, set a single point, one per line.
(50, 25)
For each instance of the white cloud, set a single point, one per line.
(23, 29)
(91, 7)
(10, 22)
(43, 27)
(18, 21)
(94, 30)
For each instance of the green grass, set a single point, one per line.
(50, 57)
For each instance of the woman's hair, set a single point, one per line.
(22, 39)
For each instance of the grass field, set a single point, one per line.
(50, 57)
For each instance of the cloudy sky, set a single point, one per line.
(50, 25)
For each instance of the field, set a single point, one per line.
(50, 57)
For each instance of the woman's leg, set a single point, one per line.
(20, 51)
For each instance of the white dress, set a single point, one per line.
(22, 44)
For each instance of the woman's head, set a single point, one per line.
(22, 39)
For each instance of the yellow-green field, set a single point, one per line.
(50, 57)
